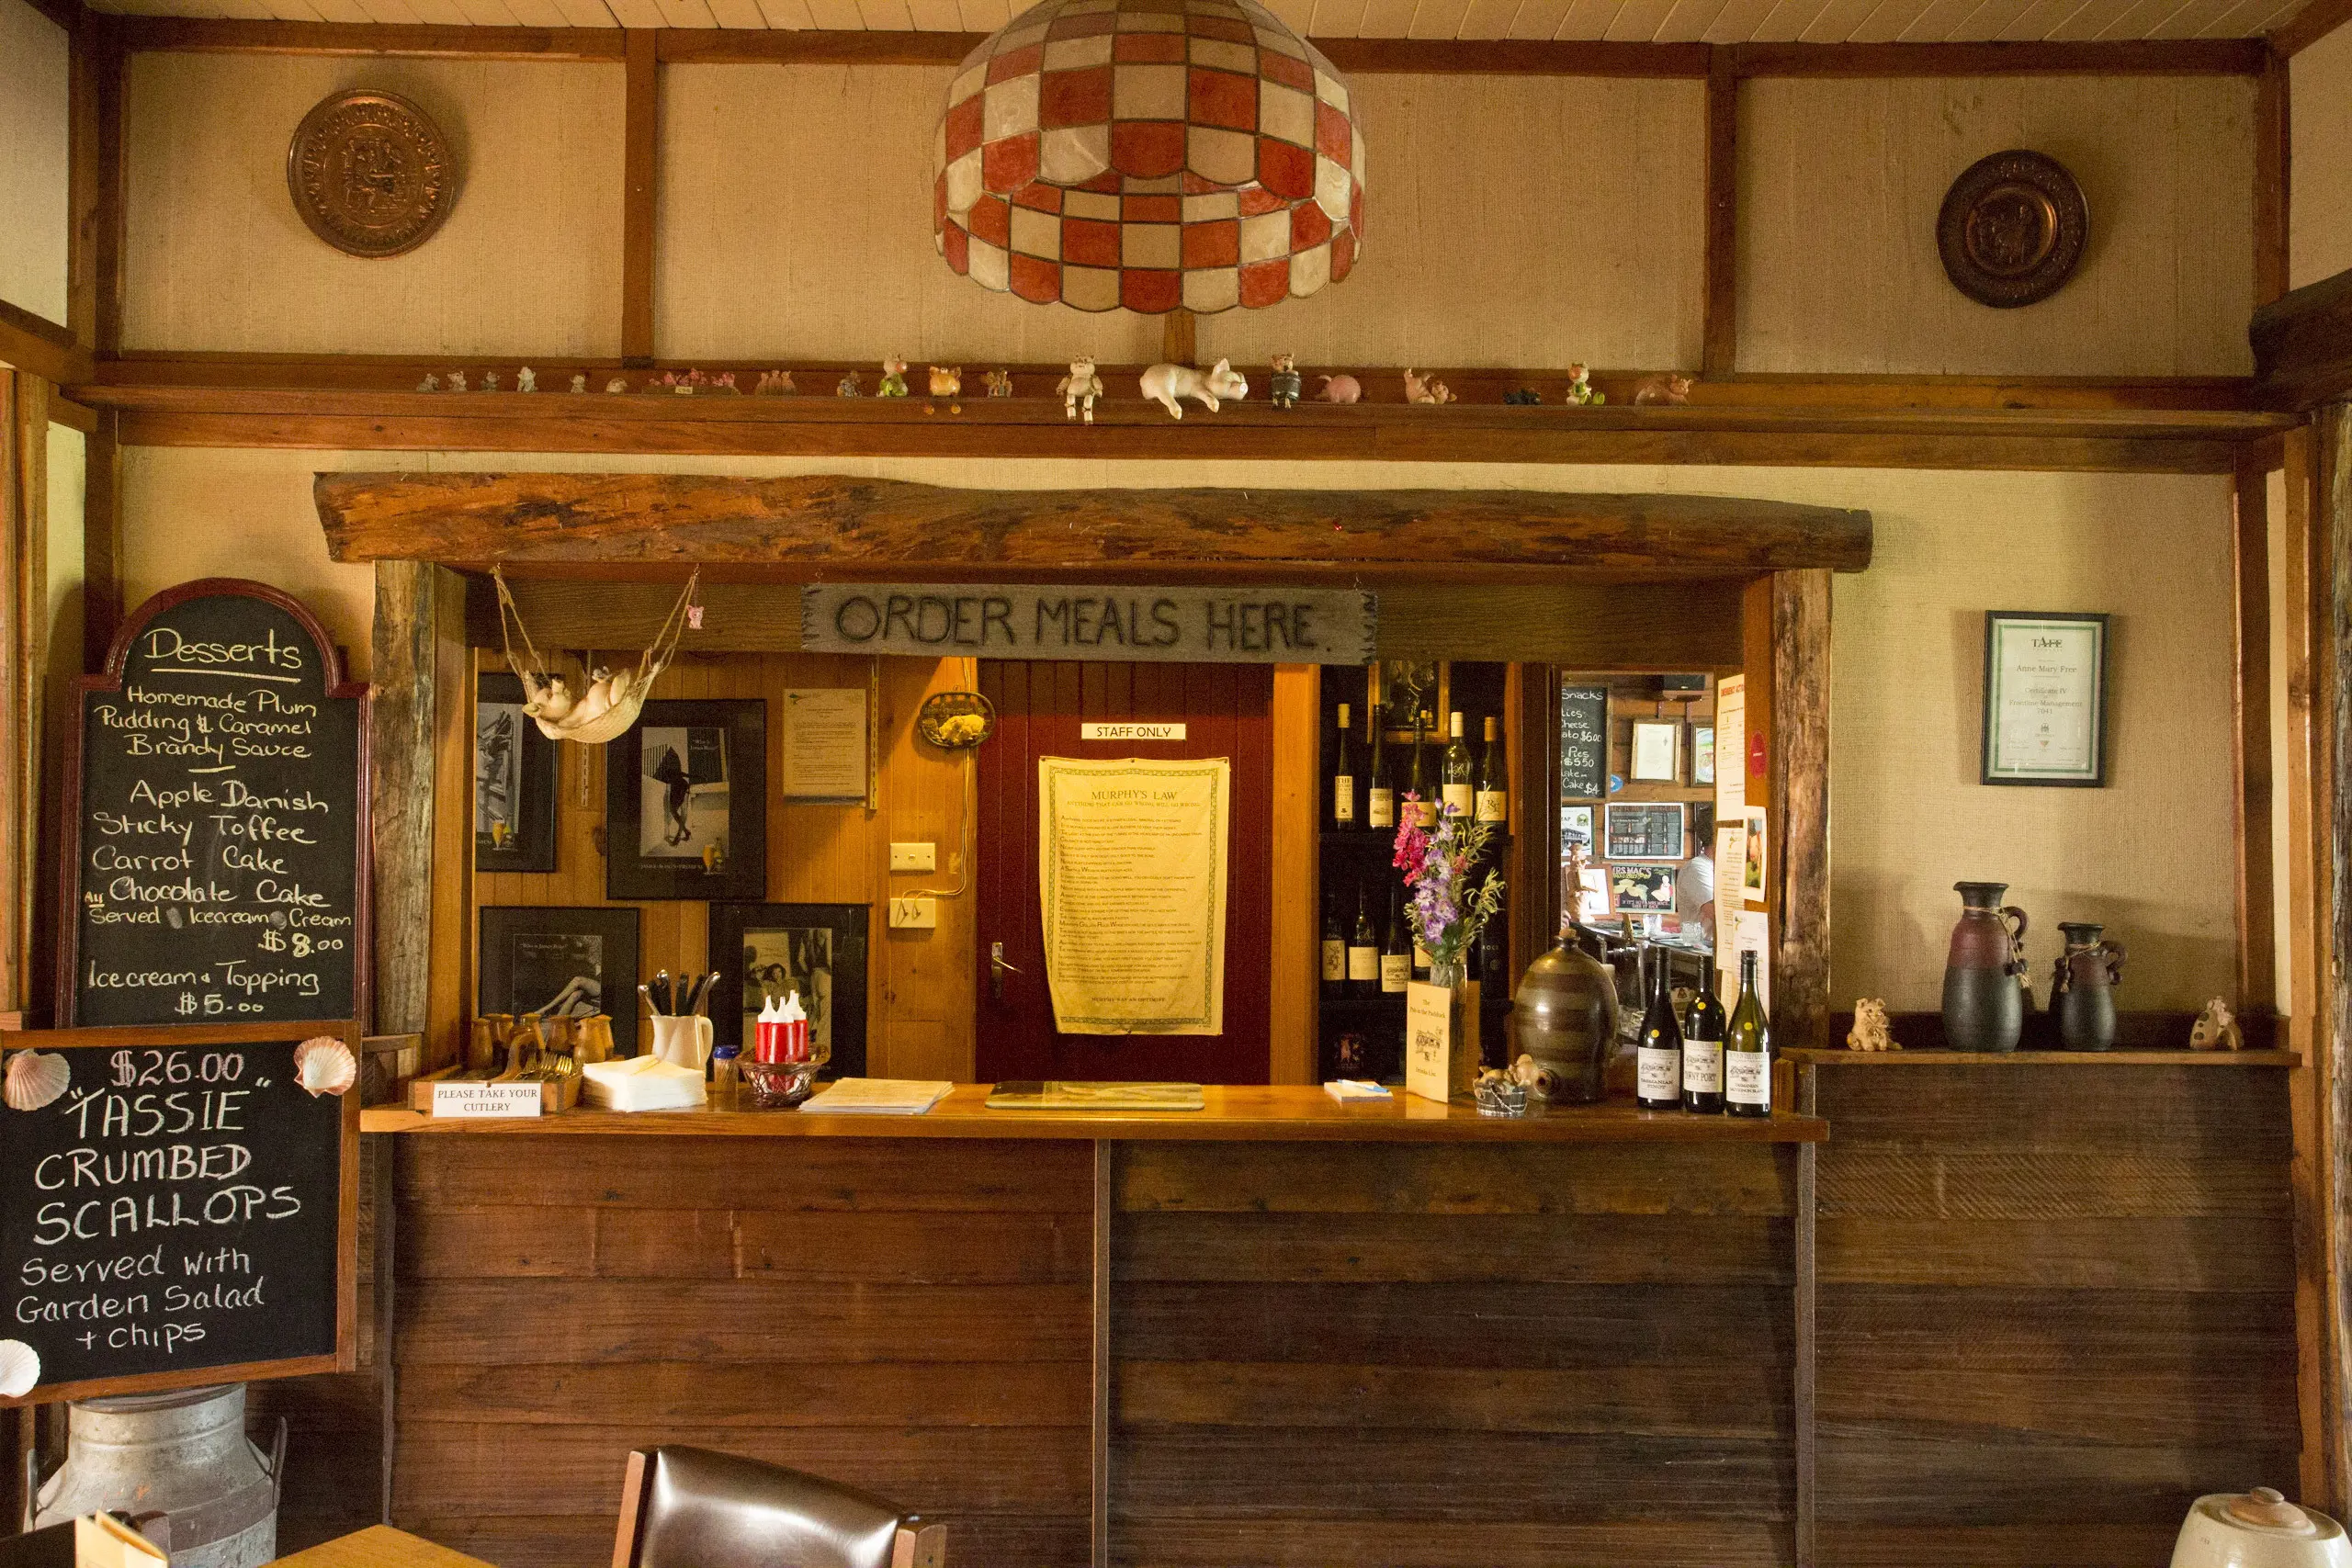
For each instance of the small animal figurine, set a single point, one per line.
(526, 379)
(1425, 389)
(1283, 384)
(490, 380)
(2216, 1028)
(431, 383)
(580, 383)
(1340, 389)
(724, 382)
(617, 384)
(850, 387)
(1580, 391)
(1080, 387)
(947, 382)
(1524, 397)
(457, 380)
(1671, 388)
(774, 384)
(1000, 383)
(1163, 384)
(894, 378)
(1870, 1032)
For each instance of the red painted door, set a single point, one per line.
(1039, 706)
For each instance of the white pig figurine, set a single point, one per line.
(1163, 384)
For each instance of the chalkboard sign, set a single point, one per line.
(178, 1206)
(219, 773)
(1584, 742)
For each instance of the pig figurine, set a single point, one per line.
(1341, 388)
(1668, 389)
(1163, 384)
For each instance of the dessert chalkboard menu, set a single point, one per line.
(221, 831)
(1584, 742)
(178, 1206)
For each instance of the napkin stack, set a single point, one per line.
(643, 1083)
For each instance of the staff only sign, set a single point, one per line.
(1191, 626)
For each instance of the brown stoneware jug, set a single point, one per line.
(2081, 991)
(1983, 998)
(1565, 1016)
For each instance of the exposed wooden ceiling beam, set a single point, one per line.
(2303, 344)
(48, 350)
(2310, 24)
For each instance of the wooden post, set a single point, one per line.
(23, 578)
(2332, 560)
(1719, 332)
(1179, 339)
(1297, 901)
(2273, 171)
(102, 606)
(1799, 764)
(2250, 737)
(641, 143)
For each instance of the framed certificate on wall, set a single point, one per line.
(2045, 698)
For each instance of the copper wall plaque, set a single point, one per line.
(2012, 229)
(369, 174)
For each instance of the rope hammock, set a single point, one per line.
(610, 702)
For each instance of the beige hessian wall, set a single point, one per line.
(2150, 854)
(33, 216)
(1841, 181)
(2319, 95)
(528, 262)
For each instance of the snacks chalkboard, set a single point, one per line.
(178, 1206)
(220, 824)
(1584, 742)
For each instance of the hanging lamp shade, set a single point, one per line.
(1149, 154)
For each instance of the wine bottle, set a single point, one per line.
(1748, 1049)
(1343, 774)
(1396, 953)
(1363, 952)
(1658, 1053)
(1380, 802)
(1494, 778)
(1335, 950)
(1494, 962)
(1422, 787)
(1461, 798)
(1703, 1050)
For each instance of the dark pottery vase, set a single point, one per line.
(2082, 991)
(1984, 999)
(1565, 1015)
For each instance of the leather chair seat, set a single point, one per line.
(688, 1507)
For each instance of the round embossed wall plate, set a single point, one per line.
(371, 174)
(2012, 229)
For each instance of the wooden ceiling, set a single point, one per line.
(1631, 21)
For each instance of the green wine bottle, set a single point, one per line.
(1703, 1025)
(1343, 775)
(1748, 1050)
(1363, 952)
(1396, 952)
(1461, 788)
(1494, 778)
(1335, 950)
(1657, 1054)
(1380, 800)
(1418, 782)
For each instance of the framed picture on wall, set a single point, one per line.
(1645, 830)
(2045, 698)
(1657, 751)
(1703, 753)
(560, 962)
(1641, 889)
(686, 802)
(772, 949)
(1576, 828)
(515, 781)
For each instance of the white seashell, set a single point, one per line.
(19, 1369)
(325, 1065)
(35, 1078)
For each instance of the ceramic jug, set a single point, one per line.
(2082, 989)
(1983, 998)
(1565, 1016)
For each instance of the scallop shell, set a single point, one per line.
(325, 1065)
(19, 1369)
(35, 1078)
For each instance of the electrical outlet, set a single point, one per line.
(916, 914)
(914, 857)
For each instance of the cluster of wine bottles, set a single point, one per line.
(1363, 960)
(1702, 1062)
(1475, 786)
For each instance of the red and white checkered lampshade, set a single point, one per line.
(1149, 154)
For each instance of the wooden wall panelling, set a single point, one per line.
(1292, 991)
(926, 977)
(2250, 738)
(918, 1327)
(2121, 1256)
(642, 134)
(1798, 842)
(23, 574)
(1434, 1355)
(2332, 554)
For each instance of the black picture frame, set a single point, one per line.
(1645, 830)
(1993, 769)
(725, 743)
(845, 927)
(524, 949)
(515, 779)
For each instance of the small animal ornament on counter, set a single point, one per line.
(894, 378)
(1871, 1031)
(457, 380)
(617, 384)
(2216, 1028)
(1082, 386)
(526, 379)
(947, 382)
(430, 384)
(1580, 391)
(490, 380)
(774, 384)
(849, 385)
(1425, 389)
(1523, 397)
(998, 382)
(580, 383)
(1284, 383)
(1671, 388)
(1340, 389)
(1163, 384)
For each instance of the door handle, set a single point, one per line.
(997, 970)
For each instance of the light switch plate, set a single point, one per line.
(917, 914)
(914, 857)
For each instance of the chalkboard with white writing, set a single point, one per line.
(220, 829)
(178, 1206)
(1584, 742)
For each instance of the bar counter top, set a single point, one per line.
(1301, 1113)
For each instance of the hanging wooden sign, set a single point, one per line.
(1189, 625)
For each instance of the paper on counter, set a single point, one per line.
(1349, 1090)
(877, 1097)
(643, 1083)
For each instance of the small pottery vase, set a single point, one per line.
(1565, 1016)
(1983, 1001)
(2081, 991)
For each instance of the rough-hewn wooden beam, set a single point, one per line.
(841, 525)
(225, 35)
(1800, 807)
(2302, 344)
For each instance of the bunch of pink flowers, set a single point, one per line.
(1436, 863)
